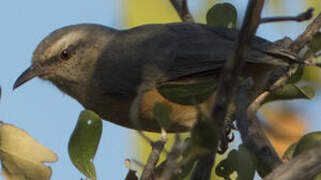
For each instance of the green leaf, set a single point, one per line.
(187, 168)
(308, 92)
(318, 177)
(295, 77)
(288, 154)
(222, 15)
(188, 93)
(187, 164)
(290, 91)
(204, 135)
(314, 45)
(235, 162)
(307, 142)
(84, 141)
(162, 114)
(189, 158)
(263, 168)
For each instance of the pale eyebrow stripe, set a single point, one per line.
(65, 41)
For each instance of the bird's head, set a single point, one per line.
(67, 56)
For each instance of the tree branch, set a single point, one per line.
(307, 35)
(171, 165)
(301, 17)
(249, 127)
(235, 62)
(305, 166)
(252, 134)
(153, 158)
(182, 10)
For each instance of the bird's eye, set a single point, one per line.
(65, 54)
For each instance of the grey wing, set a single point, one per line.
(258, 44)
(201, 48)
(164, 52)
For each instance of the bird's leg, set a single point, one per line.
(164, 137)
(228, 127)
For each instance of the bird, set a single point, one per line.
(116, 73)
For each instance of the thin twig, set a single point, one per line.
(235, 62)
(252, 134)
(254, 137)
(299, 18)
(304, 166)
(242, 121)
(153, 158)
(277, 78)
(182, 10)
(307, 35)
(171, 165)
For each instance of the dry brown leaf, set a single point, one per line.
(22, 156)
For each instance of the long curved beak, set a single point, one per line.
(28, 74)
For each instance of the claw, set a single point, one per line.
(226, 139)
(230, 139)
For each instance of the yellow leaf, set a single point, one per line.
(141, 12)
(22, 156)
